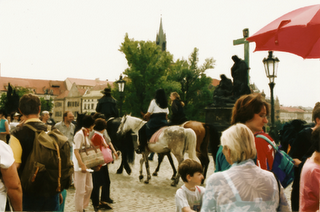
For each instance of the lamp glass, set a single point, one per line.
(271, 66)
(121, 85)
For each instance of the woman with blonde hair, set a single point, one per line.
(255, 190)
(178, 117)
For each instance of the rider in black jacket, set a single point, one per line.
(107, 105)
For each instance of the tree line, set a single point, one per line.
(150, 68)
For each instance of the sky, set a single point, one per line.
(57, 39)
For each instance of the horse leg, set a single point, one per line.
(180, 158)
(141, 163)
(120, 169)
(126, 164)
(172, 165)
(147, 168)
(204, 159)
(160, 159)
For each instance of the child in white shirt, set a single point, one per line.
(189, 196)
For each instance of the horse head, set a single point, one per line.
(122, 129)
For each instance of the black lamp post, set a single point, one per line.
(271, 68)
(121, 83)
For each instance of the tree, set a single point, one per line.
(195, 89)
(46, 104)
(9, 101)
(146, 73)
(150, 68)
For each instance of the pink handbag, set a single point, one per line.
(107, 154)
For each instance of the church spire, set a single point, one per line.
(161, 38)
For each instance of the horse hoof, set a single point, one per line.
(173, 184)
(140, 177)
(128, 171)
(155, 174)
(173, 178)
(146, 182)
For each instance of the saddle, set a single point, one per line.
(154, 138)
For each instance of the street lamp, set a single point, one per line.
(271, 68)
(121, 83)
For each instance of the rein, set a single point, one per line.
(136, 128)
(139, 125)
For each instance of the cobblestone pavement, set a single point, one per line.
(131, 195)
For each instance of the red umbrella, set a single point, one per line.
(297, 32)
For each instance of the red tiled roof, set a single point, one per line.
(89, 82)
(39, 86)
(215, 82)
(63, 95)
(99, 87)
(291, 109)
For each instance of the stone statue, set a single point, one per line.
(228, 92)
(223, 92)
(239, 73)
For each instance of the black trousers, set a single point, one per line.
(295, 200)
(100, 178)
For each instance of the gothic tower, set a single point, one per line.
(161, 38)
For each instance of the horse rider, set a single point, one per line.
(158, 112)
(178, 116)
(107, 105)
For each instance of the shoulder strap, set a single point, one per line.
(268, 140)
(32, 128)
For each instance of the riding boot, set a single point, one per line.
(142, 139)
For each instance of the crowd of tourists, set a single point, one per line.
(242, 181)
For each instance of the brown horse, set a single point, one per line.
(207, 137)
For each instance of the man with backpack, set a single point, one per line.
(300, 151)
(38, 179)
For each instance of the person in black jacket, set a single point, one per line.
(302, 149)
(107, 105)
(178, 117)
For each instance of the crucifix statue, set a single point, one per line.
(246, 47)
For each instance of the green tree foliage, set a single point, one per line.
(46, 104)
(147, 67)
(10, 107)
(150, 69)
(194, 86)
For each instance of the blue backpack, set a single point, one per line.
(283, 166)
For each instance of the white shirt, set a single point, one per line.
(243, 187)
(78, 139)
(186, 198)
(154, 108)
(6, 160)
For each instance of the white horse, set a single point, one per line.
(173, 139)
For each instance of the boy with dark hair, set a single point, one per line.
(189, 196)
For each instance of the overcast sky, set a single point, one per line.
(81, 39)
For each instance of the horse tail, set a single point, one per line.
(191, 142)
(214, 140)
(128, 147)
